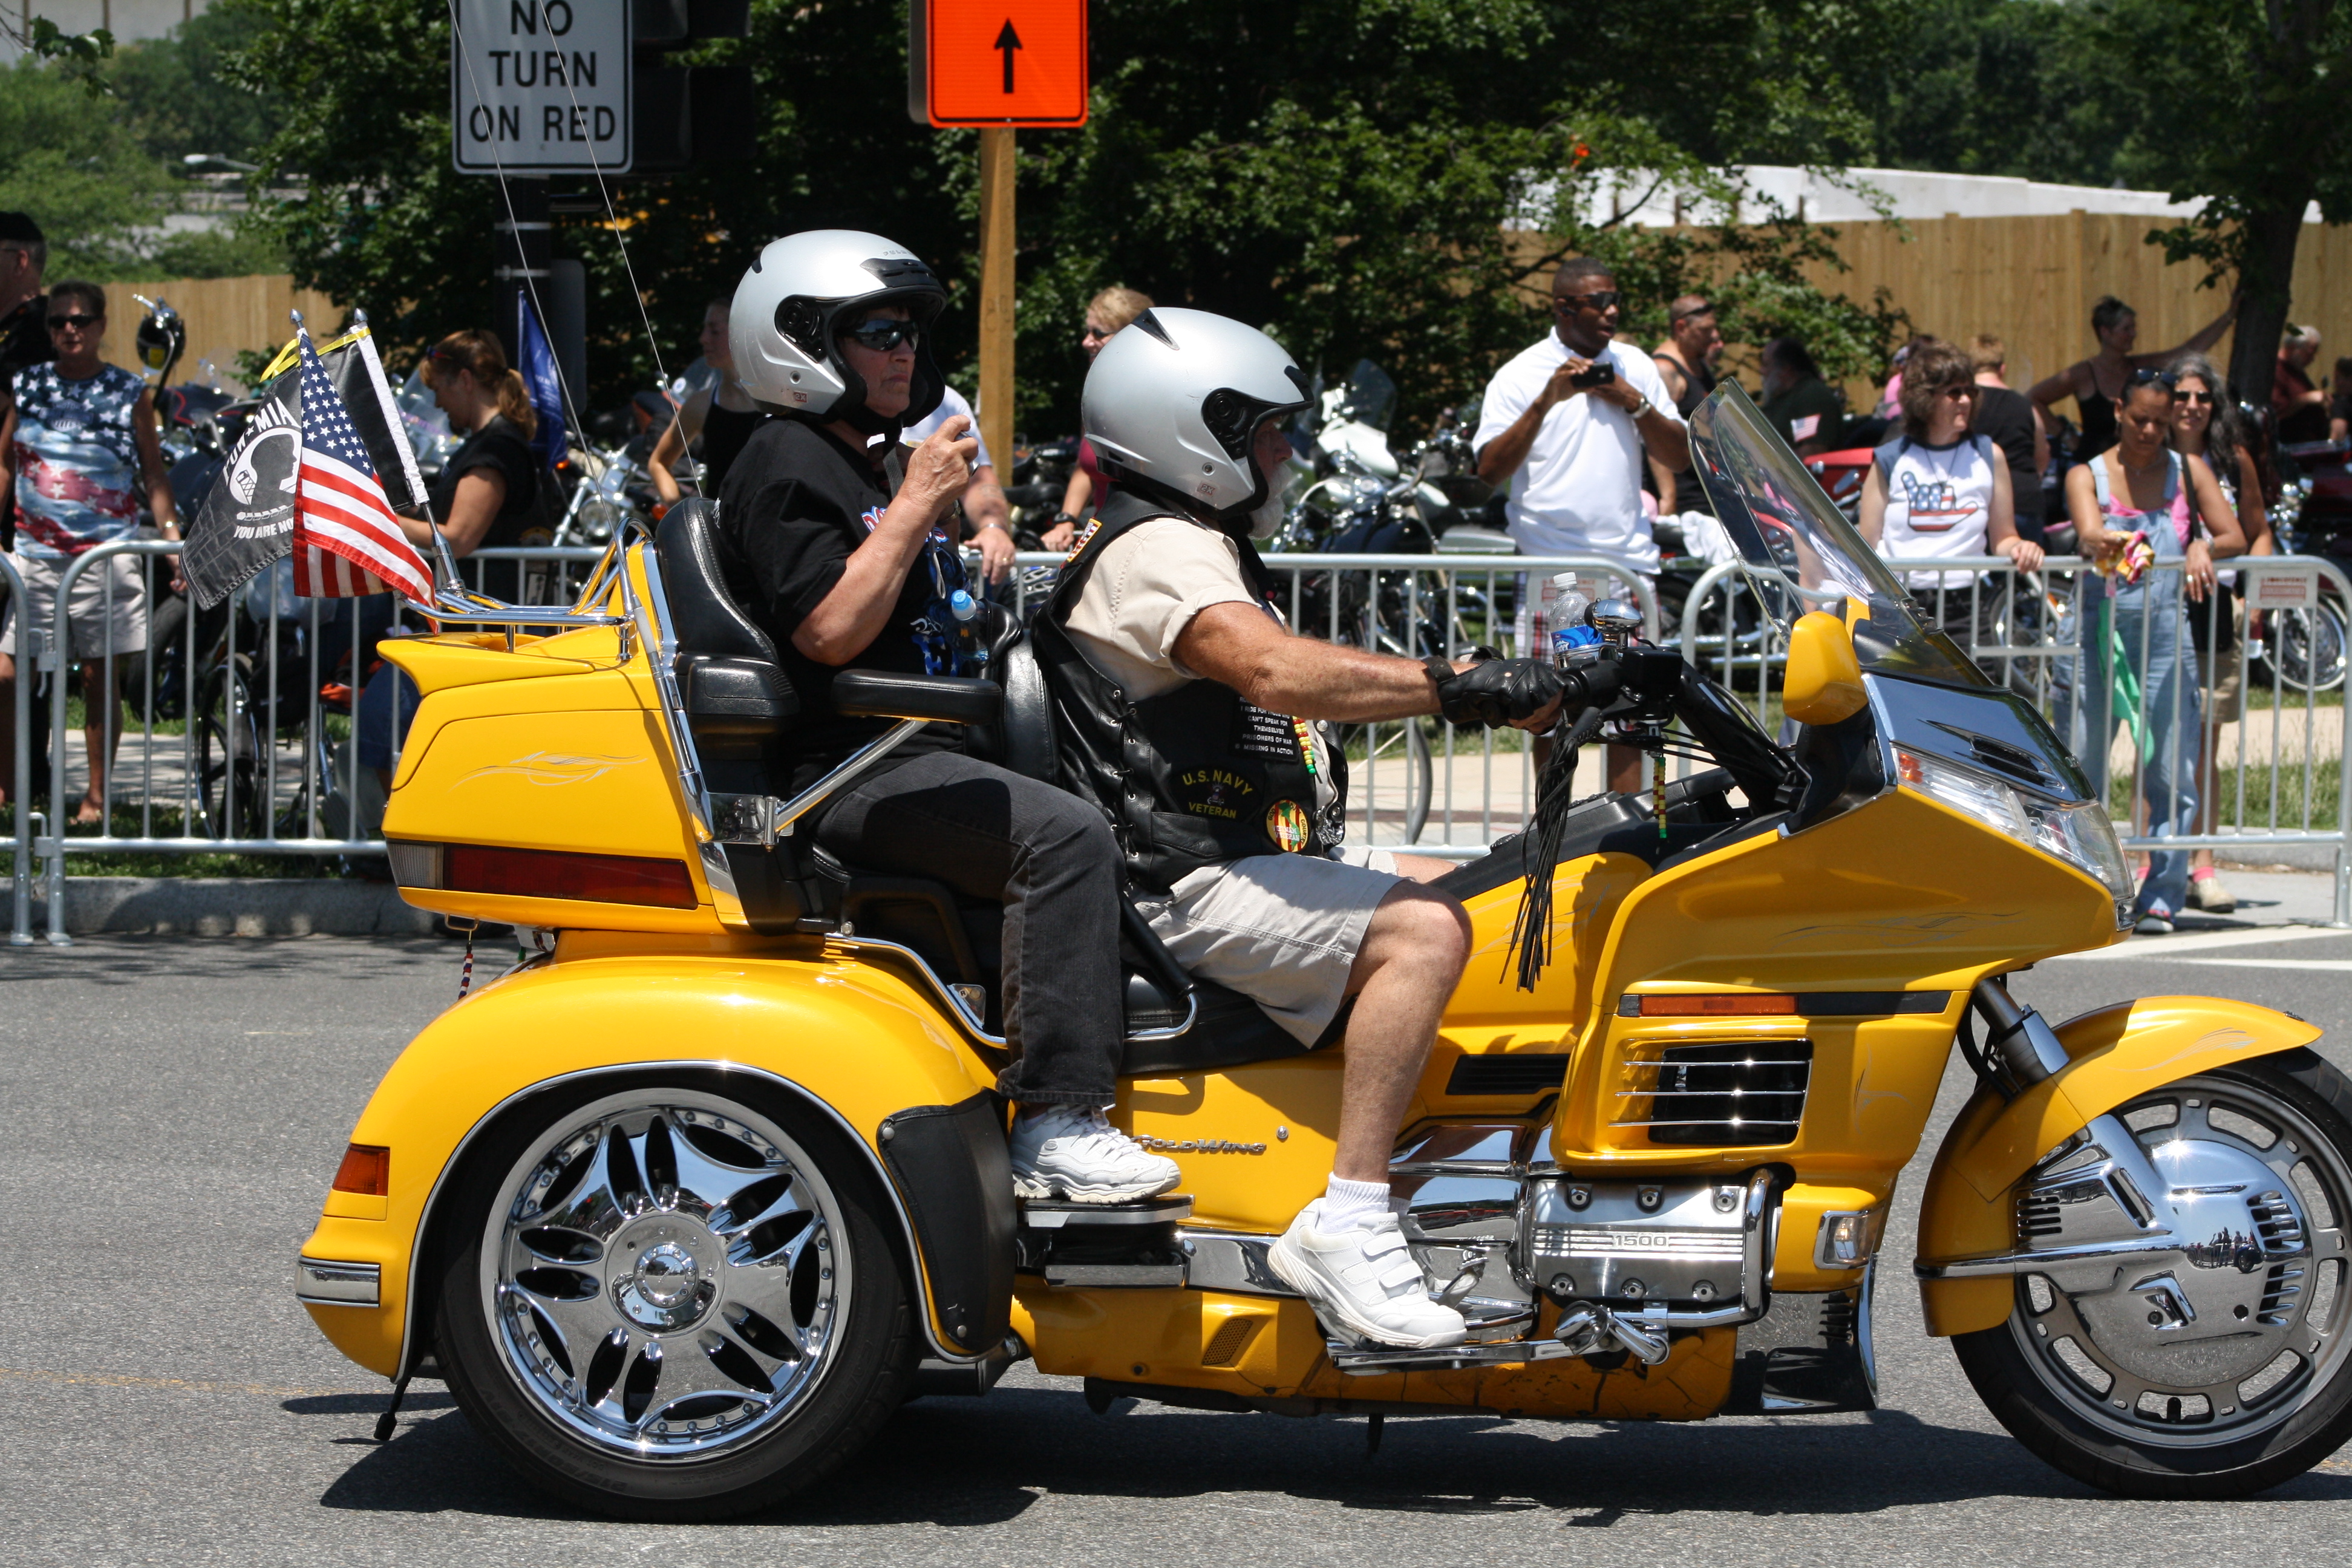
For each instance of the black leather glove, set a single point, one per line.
(1495, 691)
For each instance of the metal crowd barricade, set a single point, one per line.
(31, 634)
(247, 733)
(2236, 758)
(248, 716)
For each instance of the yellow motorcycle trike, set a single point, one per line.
(686, 1204)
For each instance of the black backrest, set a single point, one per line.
(1027, 727)
(704, 616)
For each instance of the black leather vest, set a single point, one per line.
(1196, 777)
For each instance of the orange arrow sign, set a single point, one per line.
(1006, 62)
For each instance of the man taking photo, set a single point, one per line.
(1567, 424)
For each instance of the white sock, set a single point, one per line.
(1347, 1203)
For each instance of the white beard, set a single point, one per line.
(1266, 518)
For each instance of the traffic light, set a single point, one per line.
(687, 116)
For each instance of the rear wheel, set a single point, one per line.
(673, 1302)
(2223, 1369)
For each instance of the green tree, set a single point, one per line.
(2268, 80)
(1357, 174)
(66, 158)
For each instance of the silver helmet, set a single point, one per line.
(1174, 398)
(782, 323)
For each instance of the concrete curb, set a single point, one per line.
(232, 906)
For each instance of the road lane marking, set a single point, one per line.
(187, 1385)
(2322, 965)
(2158, 948)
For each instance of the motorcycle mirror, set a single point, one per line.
(1823, 682)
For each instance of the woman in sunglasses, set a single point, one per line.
(2206, 424)
(2133, 508)
(1939, 489)
(1108, 314)
(81, 451)
(837, 540)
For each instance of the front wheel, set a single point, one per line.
(2223, 1368)
(672, 1303)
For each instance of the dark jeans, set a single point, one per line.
(1049, 857)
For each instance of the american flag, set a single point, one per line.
(346, 541)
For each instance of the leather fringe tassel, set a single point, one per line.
(1540, 849)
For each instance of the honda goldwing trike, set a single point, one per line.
(688, 1202)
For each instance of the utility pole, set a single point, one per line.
(996, 179)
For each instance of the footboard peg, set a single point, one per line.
(1129, 1246)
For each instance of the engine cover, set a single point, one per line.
(1657, 1240)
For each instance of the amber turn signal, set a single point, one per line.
(1716, 1006)
(366, 1169)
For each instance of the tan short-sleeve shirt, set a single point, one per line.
(1144, 590)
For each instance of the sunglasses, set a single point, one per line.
(1691, 314)
(882, 334)
(80, 323)
(1601, 300)
(1962, 392)
(2149, 376)
(2201, 399)
(1094, 332)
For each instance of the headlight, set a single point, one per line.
(2079, 835)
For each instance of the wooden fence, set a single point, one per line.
(223, 315)
(2031, 282)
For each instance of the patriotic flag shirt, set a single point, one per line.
(77, 460)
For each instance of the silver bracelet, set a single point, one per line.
(1638, 409)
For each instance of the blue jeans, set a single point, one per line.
(2149, 619)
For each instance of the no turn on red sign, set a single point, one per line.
(1018, 63)
(539, 86)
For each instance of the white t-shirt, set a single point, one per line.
(1939, 504)
(952, 403)
(1579, 491)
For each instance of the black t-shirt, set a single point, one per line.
(503, 447)
(2005, 416)
(797, 500)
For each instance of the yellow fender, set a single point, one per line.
(2116, 1054)
(855, 1042)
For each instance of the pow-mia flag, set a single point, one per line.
(247, 520)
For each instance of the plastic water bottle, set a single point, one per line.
(1565, 617)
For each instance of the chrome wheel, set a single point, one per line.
(2235, 1332)
(668, 1283)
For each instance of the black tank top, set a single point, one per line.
(2098, 411)
(724, 431)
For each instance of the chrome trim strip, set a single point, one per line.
(322, 1282)
(1989, 1265)
(816, 1101)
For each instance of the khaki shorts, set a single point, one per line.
(114, 581)
(1282, 930)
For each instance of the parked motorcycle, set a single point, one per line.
(684, 1206)
(2307, 648)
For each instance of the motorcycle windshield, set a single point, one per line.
(1799, 551)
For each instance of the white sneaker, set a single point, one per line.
(1073, 1151)
(1364, 1280)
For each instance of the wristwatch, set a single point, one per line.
(1638, 409)
(1062, 517)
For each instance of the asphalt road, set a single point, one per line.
(172, 1110)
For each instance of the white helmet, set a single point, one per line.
(1173, 400)
(780, 327)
